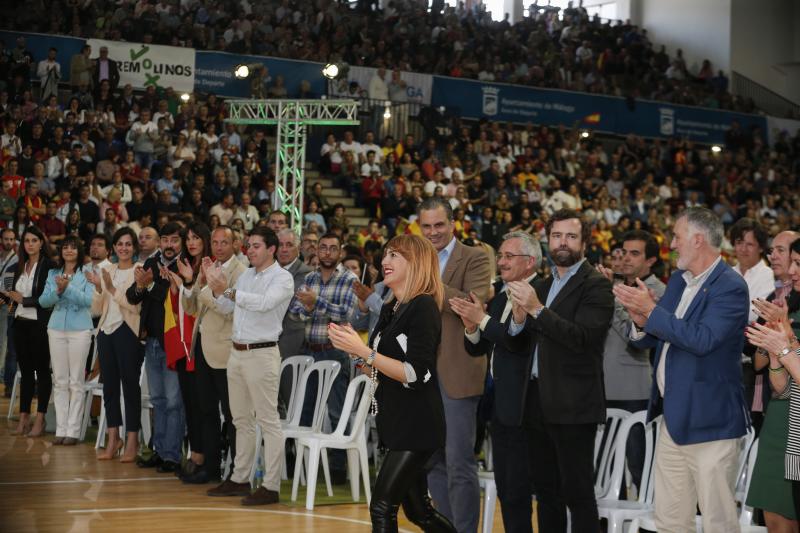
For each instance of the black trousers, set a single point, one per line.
(512, 476)
(189, 393)
(403, 479)
(121, 356)
(211, 391)
(561, 460)
(796, 496)
(33, 357)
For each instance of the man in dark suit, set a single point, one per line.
(105, 68)
(294, 331)
(563, 319)
(150, 289)
(518, 260)
(696, 329)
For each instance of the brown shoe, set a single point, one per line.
(58, 441)
(262, 496)
(229, 488)
(70, 441)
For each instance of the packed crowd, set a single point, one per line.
(128, 213)
(547, 48)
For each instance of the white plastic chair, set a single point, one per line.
(617, 511)
(355, 443)
(297, 365)
(486, 482)
(14, 392)
(326, 374)
(605, 442)
(747, 461)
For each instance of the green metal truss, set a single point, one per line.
(292, 118)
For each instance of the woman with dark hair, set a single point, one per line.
(120, 352)
(70, 334)
(22, 220)
(401, 360)
(30, 328)
(178, 345)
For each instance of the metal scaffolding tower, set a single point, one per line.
(292, 118)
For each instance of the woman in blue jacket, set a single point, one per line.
(70, 334)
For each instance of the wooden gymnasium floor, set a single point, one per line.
(58, 489)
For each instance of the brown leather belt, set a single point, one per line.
(320, 347)
(254, 346)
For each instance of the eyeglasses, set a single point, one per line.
(509, 257)
(327, 249)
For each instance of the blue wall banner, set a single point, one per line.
(214, 73)
(514, 103)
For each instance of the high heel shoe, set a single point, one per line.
(107, 457)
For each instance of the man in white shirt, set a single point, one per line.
(369, 144)
(141, 137)
(378, 92)
(749, 240)
(258, 303)
(350, 145)
(49, 72)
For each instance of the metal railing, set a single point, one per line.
(765, 99)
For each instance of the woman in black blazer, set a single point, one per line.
(401, 359)
(30, 328)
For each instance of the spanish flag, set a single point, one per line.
(594, 118)
(178, 327)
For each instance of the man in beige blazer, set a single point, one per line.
(465, 271)
(211, 346)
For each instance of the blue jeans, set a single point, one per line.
(335, 400)
(169, 425)
(10, 365)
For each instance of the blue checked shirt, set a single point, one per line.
(336, 302)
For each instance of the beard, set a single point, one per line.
(566, 257)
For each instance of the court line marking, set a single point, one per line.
(84, 480)
(225, 510)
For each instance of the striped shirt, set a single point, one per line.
(335, 303)
(792, 456)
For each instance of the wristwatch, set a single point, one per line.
(783, 353)
(371, 359)
(230, 294)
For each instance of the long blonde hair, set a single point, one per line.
(423, 267)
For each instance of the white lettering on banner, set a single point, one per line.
(418, 86)
(141, 65)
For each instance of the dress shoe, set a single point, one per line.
(70, 441)
(58, 441)
(198, 477)
(230, 488)
(262, 496)
(188, 468)
(154, 461)
(167, 467)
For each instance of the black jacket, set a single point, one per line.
(570, 334)
(511, 369)
(410, 417)
(39, 281)
(152, 317)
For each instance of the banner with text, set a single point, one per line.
(149, 64)
(417, 90)
(514, 103)
(215, 74)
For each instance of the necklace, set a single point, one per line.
(396, 305)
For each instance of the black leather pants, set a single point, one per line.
(403, 479)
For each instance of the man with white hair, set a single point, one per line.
(518, 259)
(697, 329)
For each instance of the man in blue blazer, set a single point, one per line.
(697, 329)
(484, 334)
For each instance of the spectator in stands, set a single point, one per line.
(49, 72)
(105, 69)
(81, 68)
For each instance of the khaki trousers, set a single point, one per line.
(253, 380)
(704, 472)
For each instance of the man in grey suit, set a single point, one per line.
(626, 368)
(294, 332)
